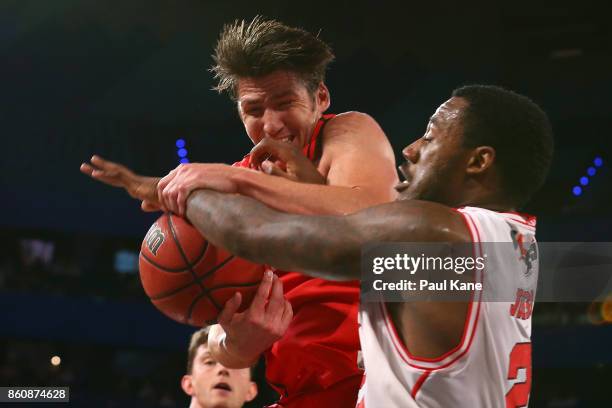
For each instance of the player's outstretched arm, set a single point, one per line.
(322, 246)
(117, 175)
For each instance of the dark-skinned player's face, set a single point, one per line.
(435, 164)
(279, 105)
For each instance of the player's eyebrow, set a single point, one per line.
(283, 94)
(258, 99)
(249, 101)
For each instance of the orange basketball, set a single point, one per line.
(187, 278)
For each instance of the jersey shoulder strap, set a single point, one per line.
(313, 149)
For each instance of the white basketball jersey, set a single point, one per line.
(491, 366)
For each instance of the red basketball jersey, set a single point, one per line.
(316, 360)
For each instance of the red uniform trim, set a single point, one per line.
(310, 149)
(523, 218)
(529, 224)
(419, 384)
(527, 218)
(467, 333)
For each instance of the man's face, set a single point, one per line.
(279, 105)
(214, 386)
(435, 164)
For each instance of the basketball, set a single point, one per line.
(187, 278)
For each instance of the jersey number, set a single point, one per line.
(520, 357)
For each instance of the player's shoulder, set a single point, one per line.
(353, 126)
(352, 119)
(445, 223)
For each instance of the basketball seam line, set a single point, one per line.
(180, 248)
(206, 294)
(193, 274)
(197, 280)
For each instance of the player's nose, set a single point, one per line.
(272, 123)
(411, 152)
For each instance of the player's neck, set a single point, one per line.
(194, 403)
(487, 201)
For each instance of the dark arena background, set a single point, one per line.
(128, 80)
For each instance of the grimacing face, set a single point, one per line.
(214, 386)
(435, 163)
(279, 106)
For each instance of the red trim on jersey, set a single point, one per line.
(523, 218)
(425, 359)
(419, 384)
(527, 218)
(401, 347)
(310, 149)
(529, 224)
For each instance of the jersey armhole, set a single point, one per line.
(447, 359)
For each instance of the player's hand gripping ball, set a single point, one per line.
(187, 278)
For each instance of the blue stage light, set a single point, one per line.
(598, 162)
(577, 190)
(180, 143)
(182, 152)
(591, 171)
(184, 160)
(584, 180)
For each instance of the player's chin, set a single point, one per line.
(404, 192)
(218, 395)
(219, 391)
(411, 194)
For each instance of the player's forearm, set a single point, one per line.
(318, 246)
(218, 346)
(301, 198)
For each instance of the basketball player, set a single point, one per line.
(344, 163)
(485, 151)
(209, 383)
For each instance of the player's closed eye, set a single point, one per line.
(284, 105)
(254, 112)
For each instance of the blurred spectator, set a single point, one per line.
(212, 385)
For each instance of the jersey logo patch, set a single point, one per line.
(526, 246)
